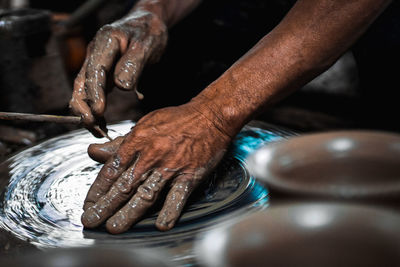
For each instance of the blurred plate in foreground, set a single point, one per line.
(359, 165)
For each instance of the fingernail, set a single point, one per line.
(124, 83)
(90, 217)
(115, 225)
(88, 205)
(164, 222)
(112, 224)
(162, 225)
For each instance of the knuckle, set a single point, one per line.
(80, 78)
(161, 144)
(125, 183)
(109, 172)
(160, 31)
(73, 106)
(109, 30)
(95, 72)
(124, 155)
(146, 193)
(138, 46)
(87, 118)
(78, 83)
(109, 33)
(72, 102)
(98, 107)
(124, 188)
(139, 133)
(149, 190)
(106, 29)
(89, 47)
(105, 183)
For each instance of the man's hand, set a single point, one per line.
(175, 146)
(181, 144)
(138, 39)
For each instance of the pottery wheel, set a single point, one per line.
(45, 186)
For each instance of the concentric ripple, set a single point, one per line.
(47, 184)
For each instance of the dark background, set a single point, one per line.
(200, 49)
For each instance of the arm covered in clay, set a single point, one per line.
(131, 42)
(178, 146)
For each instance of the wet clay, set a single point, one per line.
(102, 152)
(145, 160)
(44, 187)
(284, 60)
(140, 38)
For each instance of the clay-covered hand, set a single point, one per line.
(175, 146)
(131, 42)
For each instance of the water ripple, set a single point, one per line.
(47, 184)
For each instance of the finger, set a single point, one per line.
(78, 102)
(105, 50)
(175, 201)
(127, 153)
(119, 193)
(110, 172)
(103, 152)
(100, 128)
(137, 206)
(130, 66)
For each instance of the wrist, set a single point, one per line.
(155, 8)
(169, 11)
(153, 16)
(221, 110)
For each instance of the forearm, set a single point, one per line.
(169, 11)
(307, 41)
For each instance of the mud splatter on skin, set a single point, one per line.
(145, 197)
(140, 38)
(48, 183)
(149, 157)
(102, 152)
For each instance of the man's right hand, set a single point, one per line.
(131, 42)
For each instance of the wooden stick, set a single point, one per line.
(97, 128)
(47, 118)
(40, 117)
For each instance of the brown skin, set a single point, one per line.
(153, 162)
(138, 39)
(103, 152)
(308, 40)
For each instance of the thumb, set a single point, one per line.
(102, 152)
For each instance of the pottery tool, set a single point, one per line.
(47, 118)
